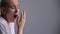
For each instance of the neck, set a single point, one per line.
(4, 16)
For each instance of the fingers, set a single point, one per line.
(22, 19)
(20, 22)
(23, 16)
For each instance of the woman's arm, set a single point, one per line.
(21, 22)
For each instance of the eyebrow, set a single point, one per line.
(14, 5)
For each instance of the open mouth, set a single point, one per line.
(15, 16)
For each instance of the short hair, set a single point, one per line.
(4, 3)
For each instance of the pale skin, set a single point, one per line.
(21, 22)
(8, 14)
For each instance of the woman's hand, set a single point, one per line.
(22, 19)
(21, 22)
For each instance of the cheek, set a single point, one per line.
(10, 11)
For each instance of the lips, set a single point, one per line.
(15, 16)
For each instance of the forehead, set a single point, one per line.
(13, 2)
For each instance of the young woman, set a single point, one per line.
(9, 17)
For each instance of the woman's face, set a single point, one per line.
(12, 10)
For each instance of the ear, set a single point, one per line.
(3, 10)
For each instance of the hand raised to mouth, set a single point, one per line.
(21, 22)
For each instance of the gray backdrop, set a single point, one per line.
(43, 16)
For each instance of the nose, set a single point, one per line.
(16, 10)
